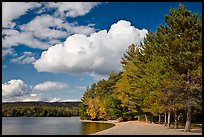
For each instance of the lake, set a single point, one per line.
(50, 126)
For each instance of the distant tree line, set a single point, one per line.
(161, 78)
(40, 109)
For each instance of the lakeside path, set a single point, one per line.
(144, 128)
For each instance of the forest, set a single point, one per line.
(40, 109)
(161, 79)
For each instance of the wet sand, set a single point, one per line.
(144, 128)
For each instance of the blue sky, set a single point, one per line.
(53, 51)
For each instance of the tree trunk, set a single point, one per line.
(138, 118)
(165, 119)
(188, 117)
(188, 120)
(169, 118)
(159, 119)
(145, 117)
(175, 120)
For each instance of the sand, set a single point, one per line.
(144, 128)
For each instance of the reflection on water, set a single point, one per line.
(91, 127)
(49, 126)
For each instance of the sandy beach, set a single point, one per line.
(144, 128)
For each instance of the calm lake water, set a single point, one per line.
(50, 126)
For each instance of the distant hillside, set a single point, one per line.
(47, 104)
(40, 109)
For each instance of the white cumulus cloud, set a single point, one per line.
(24, 98)
(44, 29)
(97, 54)
(26, 58)
(13, 88)
(17, 90)
(49, 27)
(71, 9)
(16, 38)
(13, 10)
(49, 85)
(62, 100)
(8, 51)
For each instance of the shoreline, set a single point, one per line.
(141, 128)
(101, 121)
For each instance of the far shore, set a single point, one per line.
(142, 128)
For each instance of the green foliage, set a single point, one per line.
(162, 74)
(46, 110)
